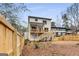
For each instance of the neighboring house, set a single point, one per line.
(70, 31)
(37, 26)
(58, 31)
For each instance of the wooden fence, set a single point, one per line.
(69, 37)
(11, 42)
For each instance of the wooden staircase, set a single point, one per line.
(45, 36)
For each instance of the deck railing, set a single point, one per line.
(37, 31)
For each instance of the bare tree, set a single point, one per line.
(65, 21)
(72, 14)
(11, 12)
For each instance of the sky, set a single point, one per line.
(48, 10)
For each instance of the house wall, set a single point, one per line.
(33, 20)
(59, 31)
(48, 25)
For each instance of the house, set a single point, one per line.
(38, 26)
(58, 31)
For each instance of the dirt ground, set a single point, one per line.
(57, 48)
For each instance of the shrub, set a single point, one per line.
(36, 44)
(26, 41)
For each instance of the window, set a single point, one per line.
(36, 19)
(46, 29)
(44, 22)
(33, 27)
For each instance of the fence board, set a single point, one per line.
(10, 41)
(68, 38)
(2, 38)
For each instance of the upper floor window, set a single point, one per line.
(44, 22)
(36, 19)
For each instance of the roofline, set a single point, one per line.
(63, 28)
(59, 27)
(39, 17)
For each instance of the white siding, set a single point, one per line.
(39, 20)
(58, 30)
(48, 25)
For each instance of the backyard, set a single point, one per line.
(57, 48)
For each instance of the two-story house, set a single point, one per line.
(38, 26)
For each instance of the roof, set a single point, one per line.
(59, 27)
(39, 17)
(64, 28)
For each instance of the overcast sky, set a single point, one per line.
(48, 10)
